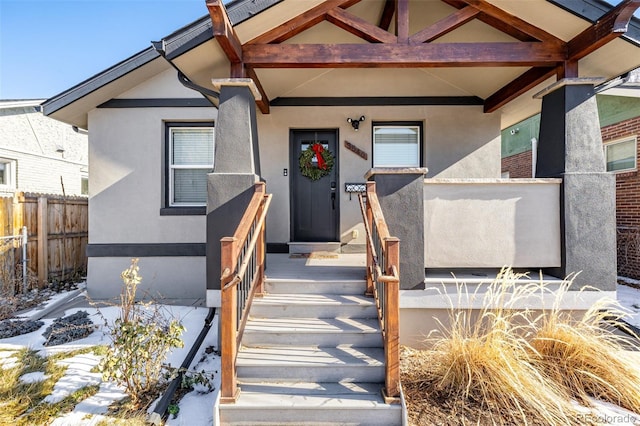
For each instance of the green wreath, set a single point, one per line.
(311, 170)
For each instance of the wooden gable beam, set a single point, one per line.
(506, 22)
(445, 25)
(359, 27)
(263, 104)
(383, 55)
(402, 21)
(301, 22)
(387, 14)
(610, 26)
(517, 87)
(228, 40)
(223, 31)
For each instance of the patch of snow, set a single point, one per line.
(610, 414)
(8, 360)
(77, 376)
(629, 298)
(35, 377)
(628, 280)
(88, 412)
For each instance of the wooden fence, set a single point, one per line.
(57, 230)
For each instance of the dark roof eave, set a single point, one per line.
(592, 10)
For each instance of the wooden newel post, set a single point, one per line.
(229, 321)
(392, 318)
(371, 189)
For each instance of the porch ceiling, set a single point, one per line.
(476, 48)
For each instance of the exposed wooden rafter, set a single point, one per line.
(301, 22)
(610, 26)
(506, 22)
(359, 27)
(402, 21)
(387, 14)
(382, 55)
(228, 40)
(526, 81)
(445, 25)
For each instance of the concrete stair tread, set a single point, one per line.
(306, 356)
(313, 299)
(312, 325)
(311, 394)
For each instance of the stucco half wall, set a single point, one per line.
(490, 223)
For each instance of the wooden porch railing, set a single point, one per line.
(242, 266)
(383, 283)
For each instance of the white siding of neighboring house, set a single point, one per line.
(42, 150)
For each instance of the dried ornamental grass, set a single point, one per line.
(585, 358)
(487, 360)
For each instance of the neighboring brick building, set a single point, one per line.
(619, 112)
(38, 154)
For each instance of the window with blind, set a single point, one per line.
(620, 155)
(190, 159)
(396, 144)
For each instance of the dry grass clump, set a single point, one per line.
(586, 358)
(485, 359)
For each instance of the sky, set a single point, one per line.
(48, 46)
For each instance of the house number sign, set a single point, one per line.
(351, 147)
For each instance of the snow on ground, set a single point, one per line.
(629, 298)
(34, 377)
(198, 407)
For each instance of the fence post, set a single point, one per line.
(43, 241)
(25, 239)
(228, 321)
(391, 319)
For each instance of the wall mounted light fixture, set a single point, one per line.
(355, 122)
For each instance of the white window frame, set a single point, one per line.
(172, 167)
(391, 125)
(11, 174)
(620, 141)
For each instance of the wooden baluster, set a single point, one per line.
(371, 189)
(391, 319)
(229, 319)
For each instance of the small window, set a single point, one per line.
(7, 173)
(396, 145)
(621, 155)
(190, 160)
(84, 185)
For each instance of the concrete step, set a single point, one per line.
(310, 403)
(311, 247)
(313, 306)
(305, 363)
(289, 286)
(361, 332)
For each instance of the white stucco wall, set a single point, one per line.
(459, 141)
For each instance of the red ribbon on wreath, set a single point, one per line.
(317, 148)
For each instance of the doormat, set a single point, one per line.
(314, 255)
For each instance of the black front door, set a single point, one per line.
(314, 203)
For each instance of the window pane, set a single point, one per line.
(192, 146)
(621, 156)
(396, 147)
(190, 185)
(4, 170)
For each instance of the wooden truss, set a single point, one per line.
(545, 54)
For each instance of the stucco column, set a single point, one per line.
(401, 195)
(570, 147)
(236, 168)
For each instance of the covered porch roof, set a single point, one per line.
(494, 53)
